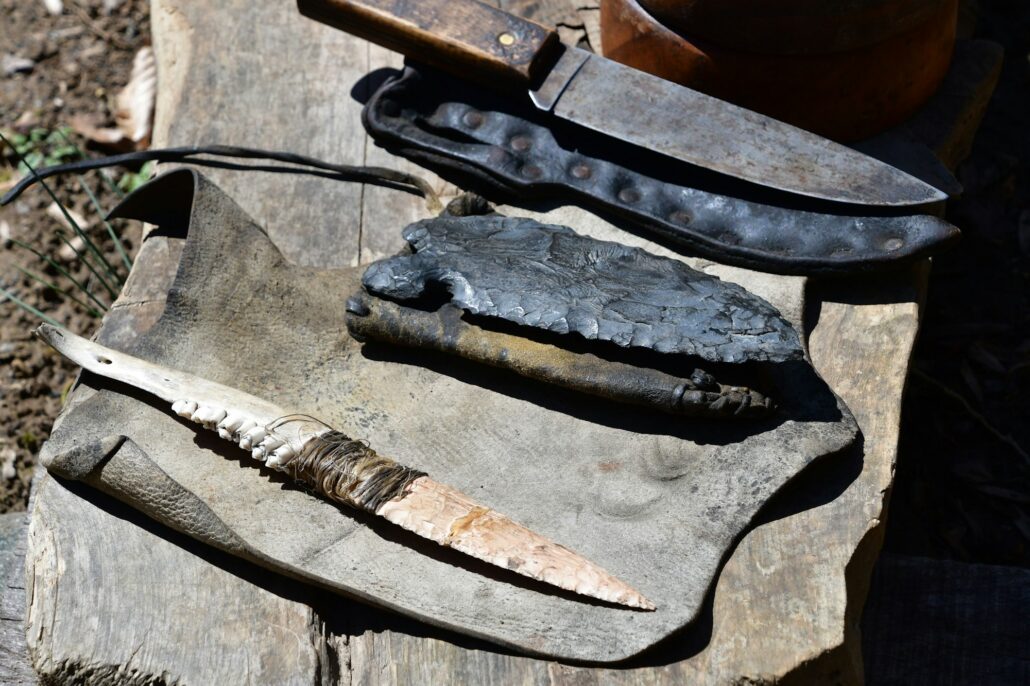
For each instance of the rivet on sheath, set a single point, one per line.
(521, 143)
(581, 171)
(893, 243)
(472, 119)
(532, 171)
(506, 39)
(629, 195)
(680, 217)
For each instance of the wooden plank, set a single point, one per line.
(258, 74)
(217, 622)
(271, 80)
(15, 667)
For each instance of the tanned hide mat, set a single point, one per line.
(654, 499)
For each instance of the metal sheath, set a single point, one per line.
(515, 150)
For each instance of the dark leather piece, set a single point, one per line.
(511, 149)
(695, 394)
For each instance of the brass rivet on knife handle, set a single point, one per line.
(461, 36)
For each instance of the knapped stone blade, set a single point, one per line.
(285, 442)
(551, 278)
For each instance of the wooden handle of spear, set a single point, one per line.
(464, 37)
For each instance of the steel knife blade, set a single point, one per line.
(482, 43)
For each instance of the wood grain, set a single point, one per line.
(15, 667)
(786, 605)
(169, 615)
(462, 36)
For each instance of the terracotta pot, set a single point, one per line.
(791, 27)
(842, 79)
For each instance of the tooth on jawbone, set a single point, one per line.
(208, 416)
(271, 442)
(240, 434)
(184, 408)
(224, 433)
(280, 456)
(256, 434)
(231, 422)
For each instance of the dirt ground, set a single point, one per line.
(963, 480)
(69, 64)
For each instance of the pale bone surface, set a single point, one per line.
(787, 601)
(655, 502)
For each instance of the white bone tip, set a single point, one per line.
(185, 408)
(280, 456)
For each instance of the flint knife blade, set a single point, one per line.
(482, 43)
(348, 472)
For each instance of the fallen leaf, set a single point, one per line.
(28, 120)
(986, 359)
(15, 64)
(89, 127)
(135, 113)
(66, 252)
(967, 374)
(9, 178)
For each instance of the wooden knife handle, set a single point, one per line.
(464, 37)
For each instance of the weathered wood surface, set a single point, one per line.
(15, 667)
(658, 508)
(786, 604)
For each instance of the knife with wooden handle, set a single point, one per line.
(481, 43)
